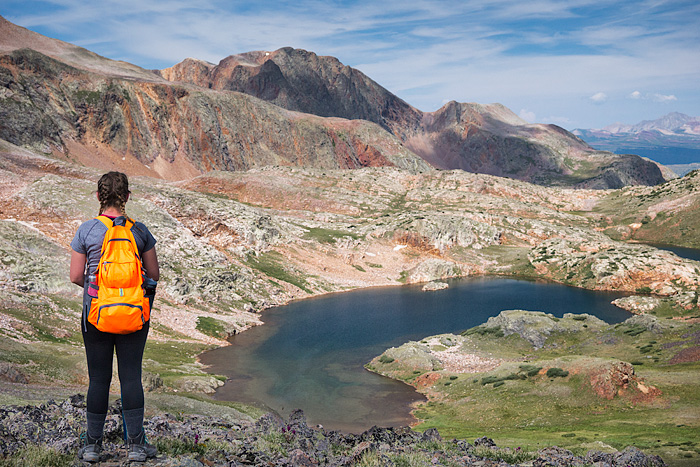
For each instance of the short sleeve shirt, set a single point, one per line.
(88, 241)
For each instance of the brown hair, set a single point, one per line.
(113, 191)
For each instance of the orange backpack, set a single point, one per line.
(121, 306)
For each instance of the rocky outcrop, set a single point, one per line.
(536, 326)
(610, 380)
(54, 429)
(609, 265)
(432, 269)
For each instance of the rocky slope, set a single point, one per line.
(288, 107)
(667, 214)
(31, 434)
(232, 244)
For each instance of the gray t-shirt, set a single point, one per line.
(88, 241)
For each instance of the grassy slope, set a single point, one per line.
(538, 410)
(666, 214)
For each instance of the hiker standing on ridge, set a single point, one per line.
(132, 282)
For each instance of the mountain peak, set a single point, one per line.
(305, 110)
(672, 122)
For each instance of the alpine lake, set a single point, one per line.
(310, 354)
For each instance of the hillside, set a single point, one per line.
(232, 244)
(289, 108)
(531, 378)
(667, 214)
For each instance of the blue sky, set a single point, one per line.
(576, 63)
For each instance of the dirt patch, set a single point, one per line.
(691, 354)
(426, 380)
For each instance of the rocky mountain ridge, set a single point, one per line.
(672, 140)
(674, 122)
(289, 107)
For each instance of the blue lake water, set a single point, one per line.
(310, 353)
(683, 252)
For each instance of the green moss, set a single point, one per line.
(179, 446)
(211, 327)
(273, 265)
(495, 331)
(89, 97)
(328, 235)
(634, 330)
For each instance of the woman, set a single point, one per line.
(112, 193)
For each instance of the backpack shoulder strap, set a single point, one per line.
(106, 221)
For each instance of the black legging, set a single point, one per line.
(99, 348)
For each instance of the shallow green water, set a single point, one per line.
(310, 354)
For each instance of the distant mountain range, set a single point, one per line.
(672, 140)
(286, 107)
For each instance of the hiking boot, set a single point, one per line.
(92, 449)
(140, 451)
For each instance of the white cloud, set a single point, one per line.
(662, 98)
(599, 97)
(527, 115)
(656, 97)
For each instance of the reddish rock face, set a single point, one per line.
(619, 379)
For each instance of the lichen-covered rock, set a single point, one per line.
(433, 286)
(199, 384)
(536, 326)
(638, 304)
(649, 322)
(433, 269)
(414, 355)
(196, 440)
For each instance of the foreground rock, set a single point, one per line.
(54, 429)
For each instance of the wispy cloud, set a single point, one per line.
(527, 115)
(656, 97)
(663, 98)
